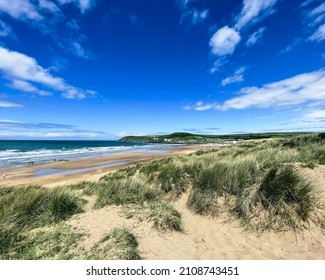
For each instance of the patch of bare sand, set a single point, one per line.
(203, 237)
(316, 175)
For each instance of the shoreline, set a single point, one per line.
(85, 169)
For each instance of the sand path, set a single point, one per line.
(203, 237)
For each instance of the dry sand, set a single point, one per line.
(24, 175)
(203, 237)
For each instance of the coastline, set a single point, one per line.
(202, 236)
(90, 169)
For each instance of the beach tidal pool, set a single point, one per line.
(53, 171)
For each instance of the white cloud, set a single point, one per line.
(295, 43)
(20, 9)
(83, 5)
(238, 76)
(13, 128)
(5, 104)
(317, 20)
(5, 30)
(306, 3)
(252, 40)
(79, 134)
(25, 125)
(49, 17)
(76, 49)
(191, 14)
(73, 25)
(316, 114)
(316, 17)
(24, 69)
(28, 87)
(224, 41)
(253, 11)
(303, 120)
(318, 10)
(202, 106)
(92, 92)
(183, 3)
(199, 16)
(48, 6)
(319, 34)
(306, 89)
(296, 90)
(194, 16)
(217, 65)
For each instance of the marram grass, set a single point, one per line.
(259, 182)
(26, 208)
(118, 244)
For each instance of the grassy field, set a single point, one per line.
(257, 182)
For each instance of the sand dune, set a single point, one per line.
(202, 237)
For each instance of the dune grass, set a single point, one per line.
(55, 243)
(163, 216)
(261, 184)
(118, 244)
(142, 200)
(258, 182)
(282, 199)
(26, 208)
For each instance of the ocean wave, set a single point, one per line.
(16, 158)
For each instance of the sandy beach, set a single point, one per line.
(203, 237)
(90, 169)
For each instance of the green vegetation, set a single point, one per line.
(163, 215)
(141, 199)
(118, 244)
(25, 208)
(258, 182)
(58, 243)
(189, 138)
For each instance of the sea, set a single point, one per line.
(16, 153)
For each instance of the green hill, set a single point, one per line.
(184, 137)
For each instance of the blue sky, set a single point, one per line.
(102, 69)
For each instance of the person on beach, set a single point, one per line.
(4, 175)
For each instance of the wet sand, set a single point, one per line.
(203, 237)
(90, 169)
